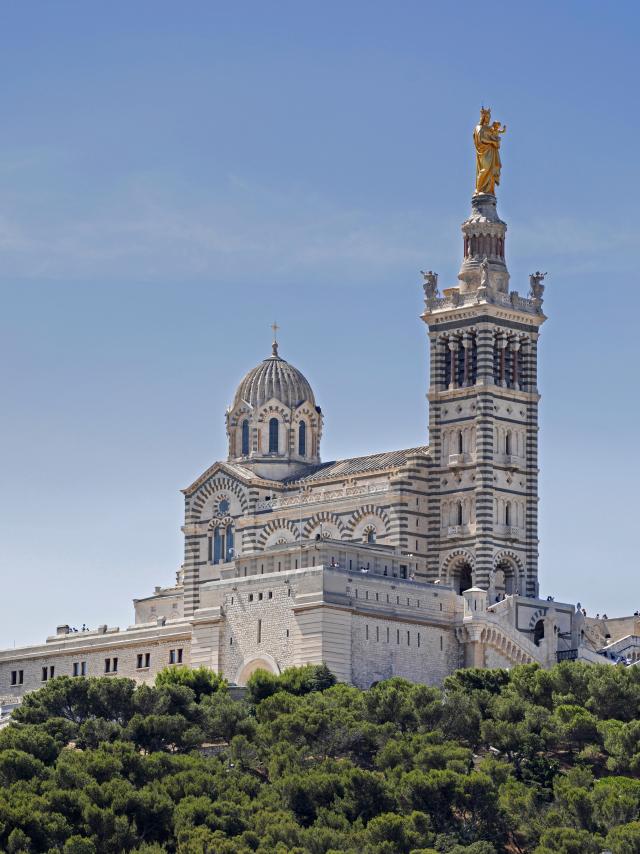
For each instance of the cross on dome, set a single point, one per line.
(274, 345)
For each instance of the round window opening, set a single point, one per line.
(223, 507)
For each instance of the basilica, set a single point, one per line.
(413, 562)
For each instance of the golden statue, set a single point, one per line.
(486, 138)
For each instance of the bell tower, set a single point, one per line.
(483, 405)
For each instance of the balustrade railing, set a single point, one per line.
(454, 531)
(510, 300)
(319, 496)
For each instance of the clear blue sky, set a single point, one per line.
(174, 176)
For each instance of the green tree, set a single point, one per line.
(202, 681)
(567, 840)
(624, 839)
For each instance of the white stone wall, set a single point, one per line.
(384, 648)
(244, 610)
(495, 659)
(31, 660)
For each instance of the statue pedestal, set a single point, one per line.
(484, 237)
(484, 207)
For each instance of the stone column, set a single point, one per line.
(453, 353)
(474, 648)
(466, 344)
(502, 345)
(515, 346)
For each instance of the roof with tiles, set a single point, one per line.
(360, 465)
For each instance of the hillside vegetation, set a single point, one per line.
(521, 761)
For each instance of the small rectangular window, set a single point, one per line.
(398, 636)
(147, 659)
(366, 633)
(441, 641)
(259, 631)
(259, 597)
(287, 632)
(377, 633)
(441, 606)
(107, 665)
(250, 597)
(366, 594)
(418, 640)
(289, 592)
(45, 673)
(230, 641)
(76, 668)
(140, 660)
(270, 594)
(179, 656)
(52, 671)
(114, 665)
(408, 638)
(83, 668)
(14, 677)
(172, 656)
(387, 635)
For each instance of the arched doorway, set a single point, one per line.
(505, 579)
(248, 668)
(508, 575)
(462, 577)
(538, 632)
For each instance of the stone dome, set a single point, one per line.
(274, 378)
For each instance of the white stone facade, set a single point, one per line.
(409, 563)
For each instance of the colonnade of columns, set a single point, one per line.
(458, 353)
(479, 245)
(461, 364)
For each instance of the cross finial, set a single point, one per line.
(274, 346)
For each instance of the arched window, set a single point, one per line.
(229, 551)
(507, 513)
(508, 443)
(274, 427)
(371, 535)
(460, 442)
(302, 439)
(217, 545)
(245, 438)
(459, 513)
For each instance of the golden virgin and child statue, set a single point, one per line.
(486, 138)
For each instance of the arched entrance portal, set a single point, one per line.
(505, 579)
(248, 668)
(538, 632)
(462, 577)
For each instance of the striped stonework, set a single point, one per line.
(482, 518)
